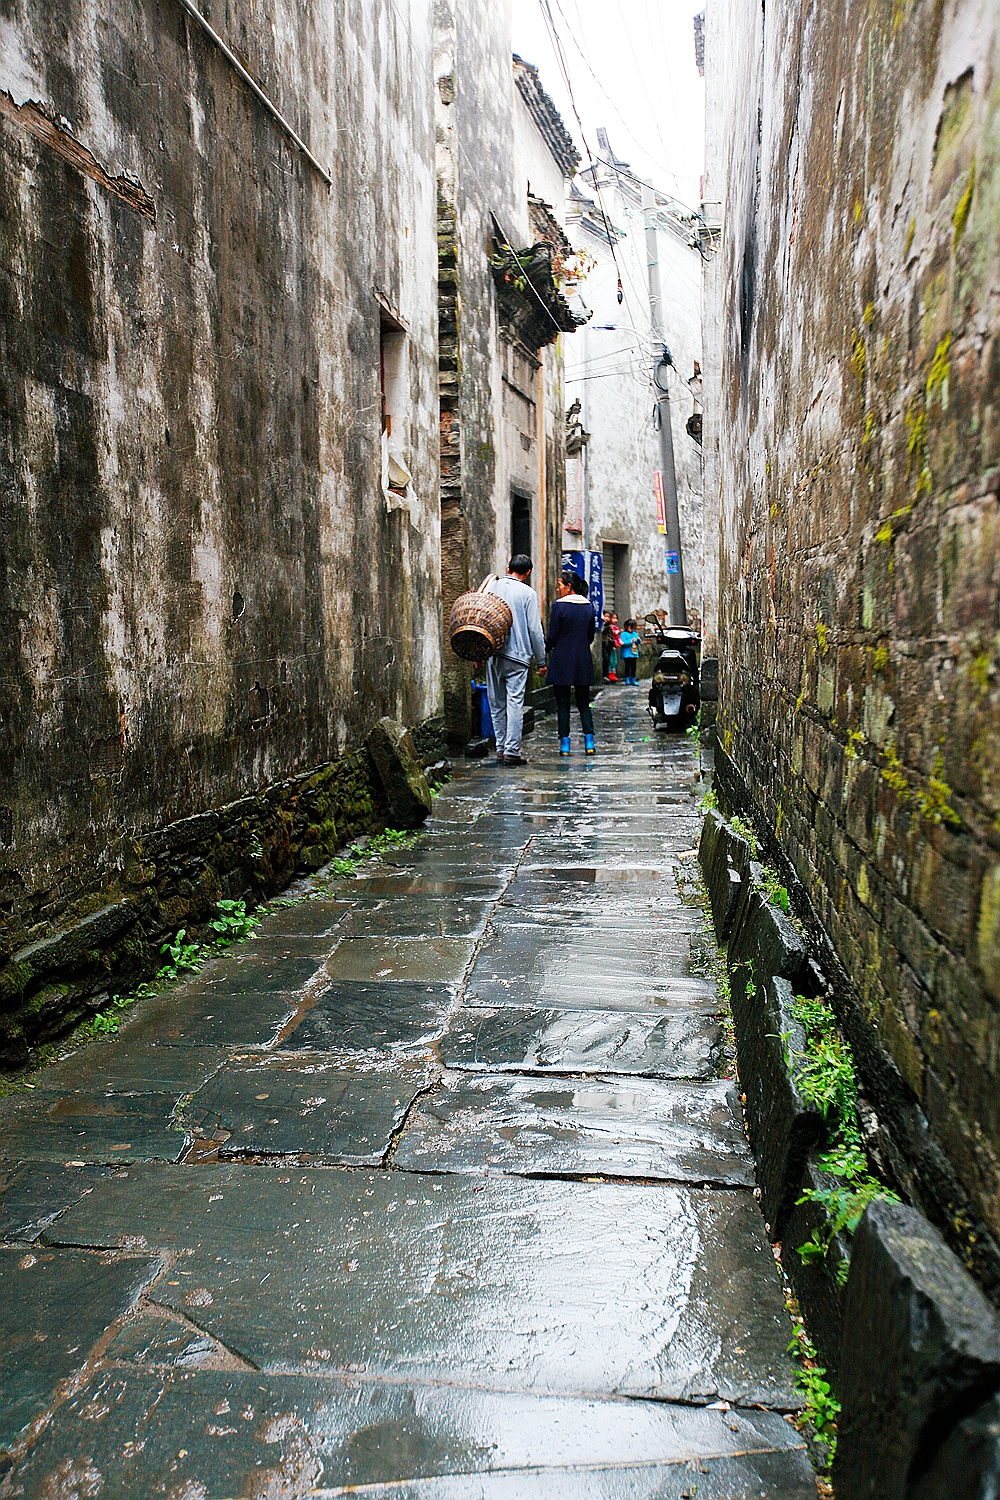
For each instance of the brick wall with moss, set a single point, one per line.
(60, 969)
(860, 543)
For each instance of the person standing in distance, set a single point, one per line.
(507, 672)
(571, 630)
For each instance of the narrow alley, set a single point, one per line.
(437, 1187)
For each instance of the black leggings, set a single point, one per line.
(582, 703)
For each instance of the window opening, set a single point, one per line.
(394, 391)
(520, 521)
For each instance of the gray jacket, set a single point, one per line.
(526, 638)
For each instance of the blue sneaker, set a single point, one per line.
(588, 744)
(564, 745)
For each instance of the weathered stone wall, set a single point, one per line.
(501, 420)
(172, 878)
(202, 591)
(860, 548)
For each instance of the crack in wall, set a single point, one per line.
(30, 116)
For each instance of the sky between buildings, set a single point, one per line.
(632, 69)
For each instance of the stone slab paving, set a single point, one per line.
(366, 1016)
(232, 1433)
(581, 1127)
(683, 1044)
(333, 1110)
(432, 1190)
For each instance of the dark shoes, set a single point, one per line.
(514, 760)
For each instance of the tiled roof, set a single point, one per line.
(546, 117)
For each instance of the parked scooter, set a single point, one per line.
(674, 697)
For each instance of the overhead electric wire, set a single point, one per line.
(677, 176)
(564, 68)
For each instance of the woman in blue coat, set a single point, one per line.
(571, 630)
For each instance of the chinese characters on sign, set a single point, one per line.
(661, 515)
(589, 565)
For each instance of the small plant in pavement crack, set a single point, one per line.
(233, 922)
(826, 1078)
(185, 958)
(345, 866)
(742, 827)
(822, 1409)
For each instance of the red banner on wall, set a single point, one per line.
(661, 515)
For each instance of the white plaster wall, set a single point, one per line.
(611, 373)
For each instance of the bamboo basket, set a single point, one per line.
(479, 624)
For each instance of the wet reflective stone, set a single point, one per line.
(679, 1045)
(219, 1434)
(155, 1338)
(90, 1127)
(452, 864)
(267, 947)
(564, 984)
(475, 888)
(540, 950)
(212, 1015)
(54, 1305)
(323, 1108)
(119, 1066)
(310, 918)
(363, 1016)
(506, 1283)
(594, 938)
(417, 916)
(267, 970)
(34, 1194)
(639, 1128)
(419, 960)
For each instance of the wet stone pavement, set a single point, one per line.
(436, 1189)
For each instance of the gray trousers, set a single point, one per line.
(506, 682)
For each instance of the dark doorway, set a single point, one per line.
(520, 521)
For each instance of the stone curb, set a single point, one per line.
(921, 1353)
(820, 1294)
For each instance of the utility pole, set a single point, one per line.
(677, 604)
(585, 455)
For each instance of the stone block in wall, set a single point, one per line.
(967, 1466)
(763, 942)
(783, 1128)
(709, 679)
(920, 1354)
(722, 880)
(820, 1294)
(392, 749)
(174, 875)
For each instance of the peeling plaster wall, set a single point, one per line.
(859, 448)
(201, 588)
(492, 396)
(472, 67)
